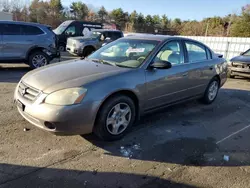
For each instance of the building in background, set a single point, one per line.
(6, 16)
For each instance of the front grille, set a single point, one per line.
(28, 92)
(240, 65)
(69, 42)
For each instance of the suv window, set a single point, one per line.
(31, 30)
(196, 52)
(71, 30)
(171, 52)
(116, 35)
(11, 29)
(108, 34)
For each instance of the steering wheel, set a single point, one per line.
(141, 59)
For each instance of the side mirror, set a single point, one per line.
(161, 65)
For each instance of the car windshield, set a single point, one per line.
(61, 28)
(94, 34)
(247, 53)
(129, 53)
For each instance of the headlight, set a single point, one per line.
(66, 96)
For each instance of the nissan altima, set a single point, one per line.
(109, 90)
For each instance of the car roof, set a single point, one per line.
(148, 37)
(158, 37)
(23, 23)
(155, 37)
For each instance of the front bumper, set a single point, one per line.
(53, 53)
(237, 71)
(74, 50)
(60, 120)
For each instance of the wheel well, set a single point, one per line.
(33, 50)
(127, 93)
(91, 47)
(218, 77)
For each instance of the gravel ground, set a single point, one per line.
(188, 145)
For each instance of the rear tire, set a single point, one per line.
(38, 59)
(87, 51)
(211, 91)
(111, 123)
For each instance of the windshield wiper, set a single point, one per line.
(120, 65)
(102, 62)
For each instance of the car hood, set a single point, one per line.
(83, 39)
(69, 74)
(242, 58)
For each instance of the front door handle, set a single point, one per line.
(185, 74)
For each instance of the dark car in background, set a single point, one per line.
(240, 65)
(31, 43)
(73, 28)
(83, 46)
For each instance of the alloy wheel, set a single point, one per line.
(118, 118)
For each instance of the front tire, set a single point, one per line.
(115, 118)
(38, 59)
(61, 47)
(211, 91)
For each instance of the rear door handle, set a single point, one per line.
(211, 68)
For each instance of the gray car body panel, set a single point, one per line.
(154, 88)
(17, 47)
(243, 69)
(242, 58)
(85, 41)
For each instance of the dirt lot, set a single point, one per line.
(182, 146)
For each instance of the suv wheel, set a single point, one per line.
(115, 118)
(61, 47)
(87, 51)
(211, 91)
(38, 59)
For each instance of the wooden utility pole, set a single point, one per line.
(207, 29)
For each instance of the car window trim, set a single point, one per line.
(198, 44)
(159, 49)
(209, 53)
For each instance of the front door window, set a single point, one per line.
(71, 31)
(171, 52)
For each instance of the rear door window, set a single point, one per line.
(31, 30)
(196, 52)
(11, 29)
